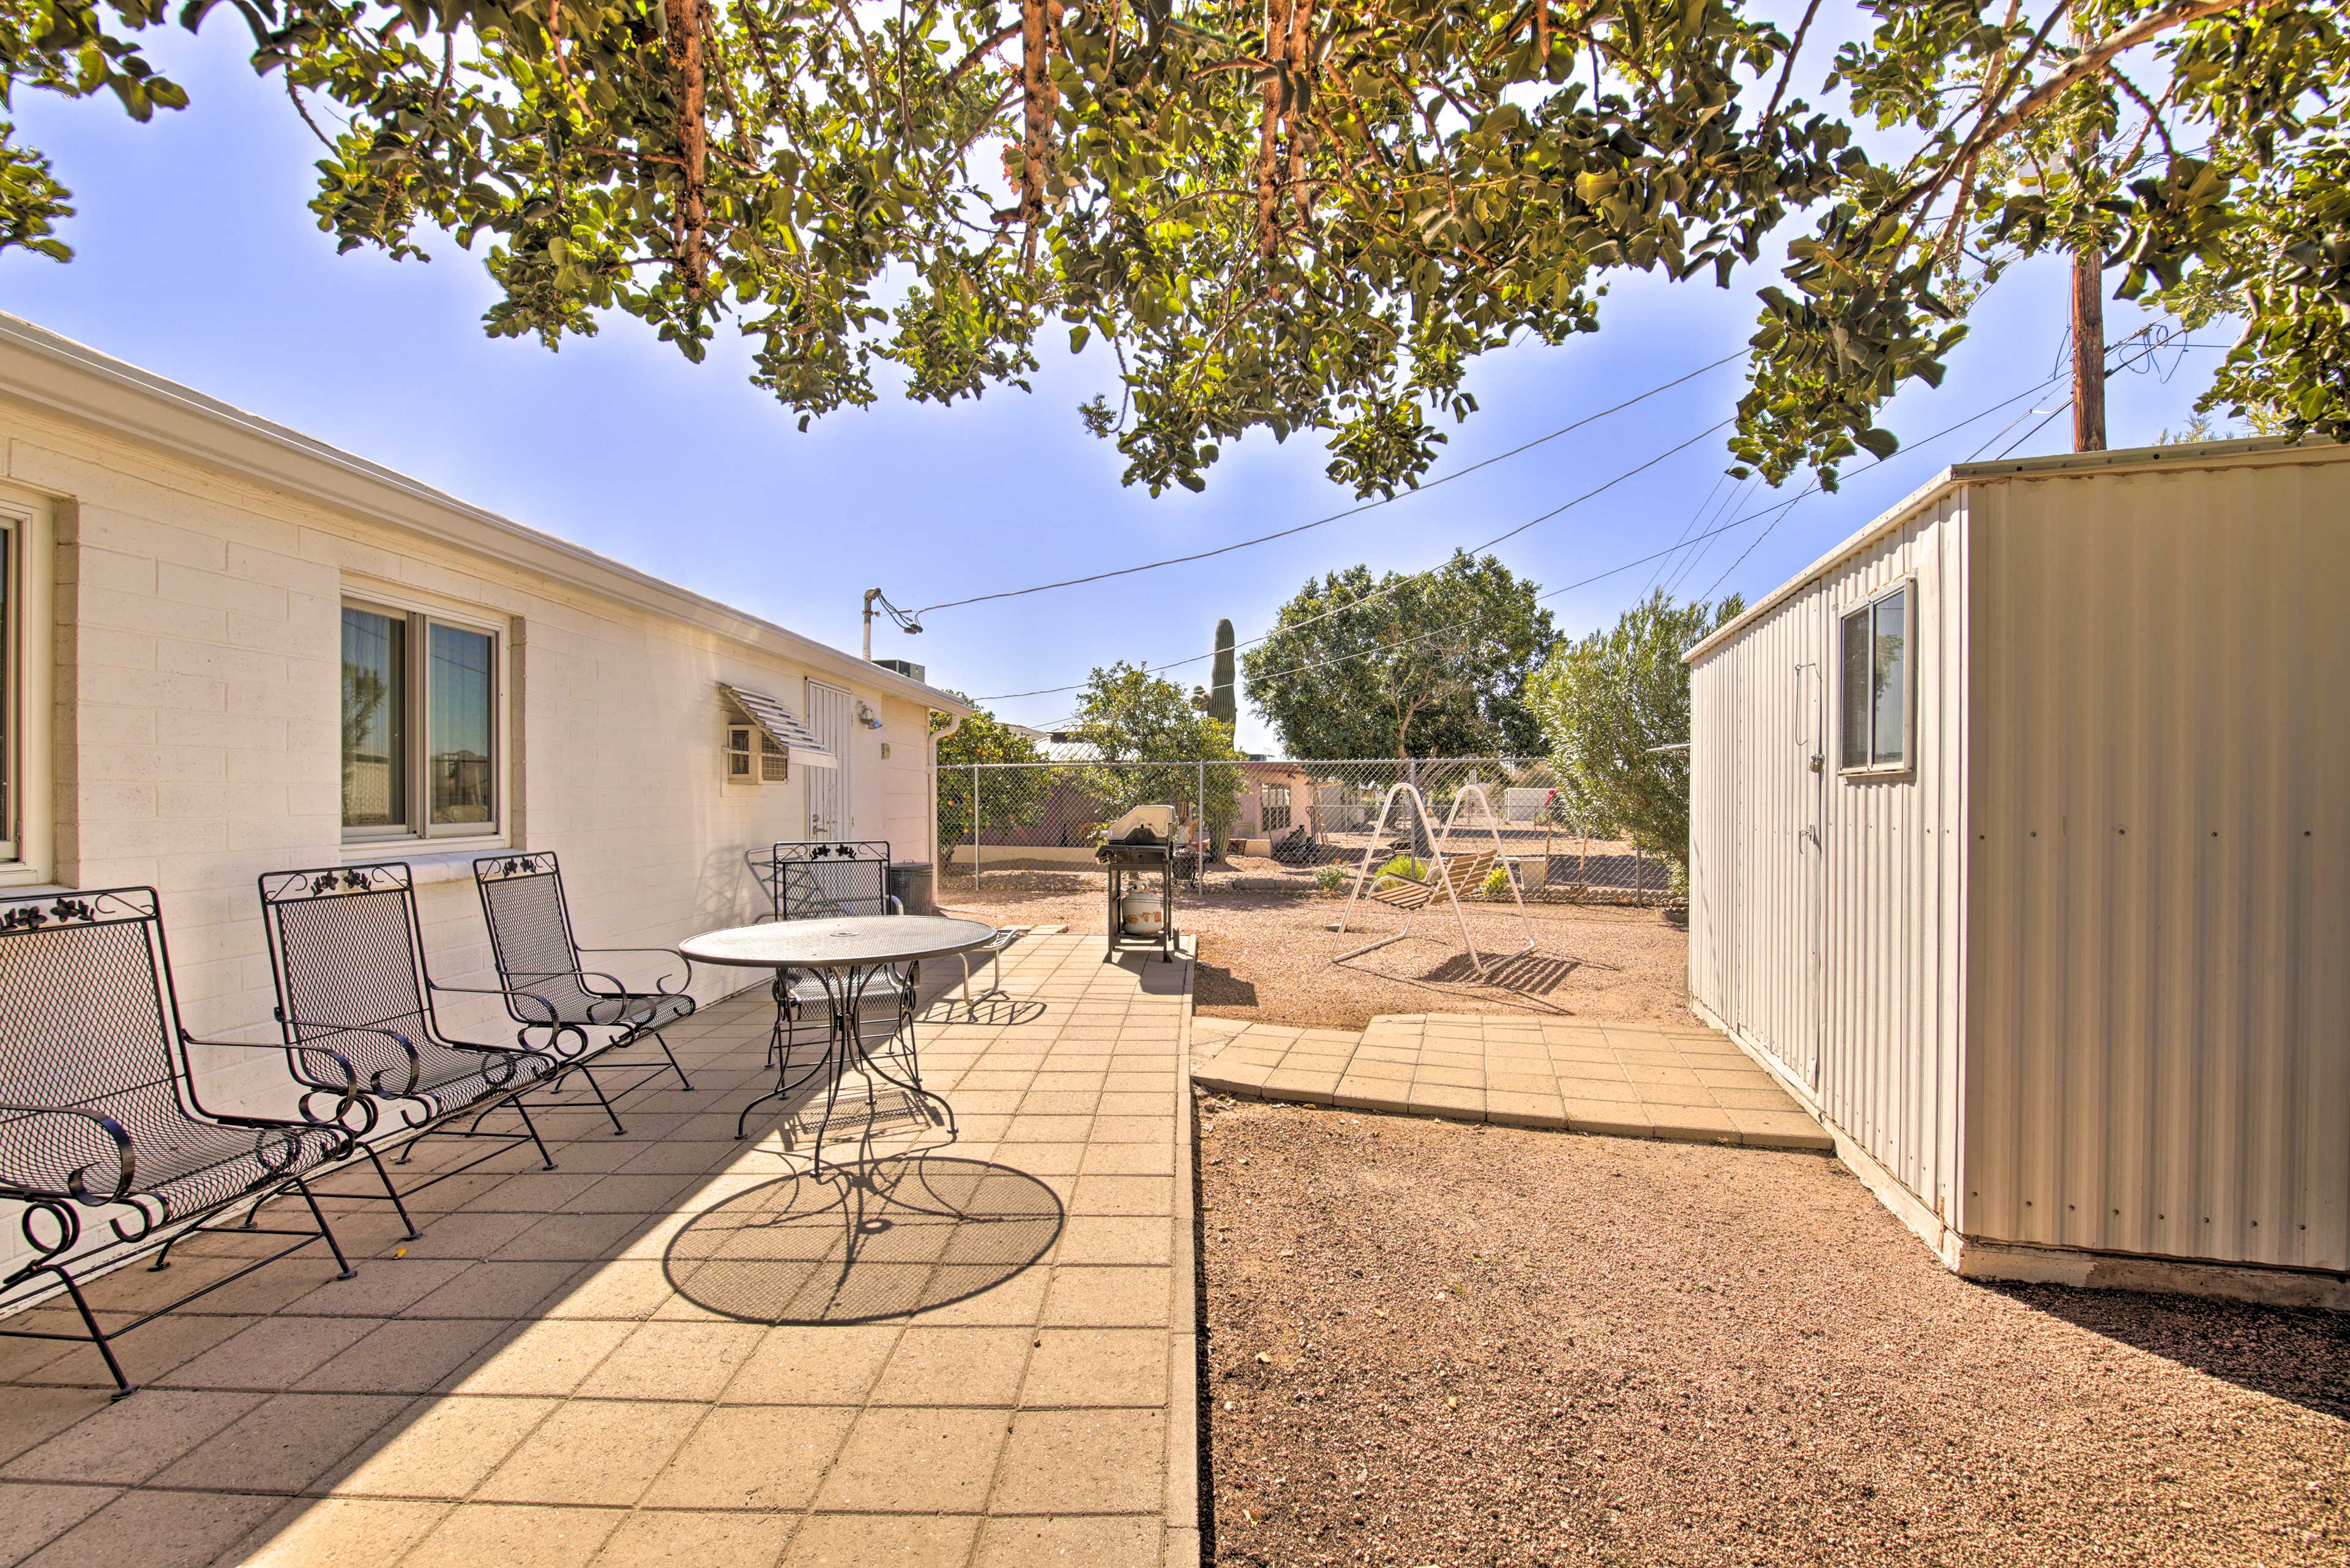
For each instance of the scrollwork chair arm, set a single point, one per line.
(661, 981)
(510, 997)
(342, 1081)
(77, 1183)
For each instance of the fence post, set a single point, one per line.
(974, 829)
(1200, 814)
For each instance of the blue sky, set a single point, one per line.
(198, 259)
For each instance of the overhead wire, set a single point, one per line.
(1782, 509)
(1386, 589)
(1334, 516)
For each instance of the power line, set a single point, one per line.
(1334, 516)
(1783, 508)
(1386, 589)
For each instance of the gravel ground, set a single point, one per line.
(1433, 1344)
(1265, 957)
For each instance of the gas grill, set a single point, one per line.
(1137, 849)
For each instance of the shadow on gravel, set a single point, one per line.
(2301, 1355)
(1212, 985)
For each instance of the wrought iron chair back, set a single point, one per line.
(816, 881)
(88, 1023)
(529, 918)
(347, 954)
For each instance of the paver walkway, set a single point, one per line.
(662, 1352)
(1634, 1080)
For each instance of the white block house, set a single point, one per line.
(2020, 851)
(234, 650)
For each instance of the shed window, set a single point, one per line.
(1877, 683)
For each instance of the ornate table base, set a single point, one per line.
(845, 989)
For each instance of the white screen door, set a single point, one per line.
(828, 788)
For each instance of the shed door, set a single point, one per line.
(828, 788)
(1811, 872)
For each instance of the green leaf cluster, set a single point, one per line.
(1413, 664)
(1609, 704)
(1290, 217)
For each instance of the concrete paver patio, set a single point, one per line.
(672, 1349)
(1634, 1080)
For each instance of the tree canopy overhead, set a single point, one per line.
(1298, 214)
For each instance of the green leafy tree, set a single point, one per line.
(1607, 704)
(1418, 664)
(1145, 737)
(1293, 217)
(982, 738)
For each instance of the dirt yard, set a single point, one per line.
(1265, 956)
(1441, 1344)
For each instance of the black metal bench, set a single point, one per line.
(538, 961)
(347, 954)
(101, 1119)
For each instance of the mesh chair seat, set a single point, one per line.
(192, 1166)
(645, 1015)
(450, 1080)
(185, 1164)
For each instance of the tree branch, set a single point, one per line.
(1788, 70)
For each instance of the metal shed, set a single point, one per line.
(2020, 849)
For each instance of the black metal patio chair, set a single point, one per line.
(812, 881)
(101, 1119)
(347, 954)
(539, 959)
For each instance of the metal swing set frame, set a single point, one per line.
(1442, 876)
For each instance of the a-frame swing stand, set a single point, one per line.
(1448, 875)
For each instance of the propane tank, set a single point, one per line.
(1141, 915)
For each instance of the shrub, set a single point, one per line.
(1497, 884)
(1330, 878)
(1404, 866)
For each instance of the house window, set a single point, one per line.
(421, 721)
(752, 758)
(25, 638)
(1274, 812)
(1878, 683)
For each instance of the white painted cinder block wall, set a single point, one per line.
(197, 703)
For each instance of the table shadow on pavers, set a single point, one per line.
(869, 1239)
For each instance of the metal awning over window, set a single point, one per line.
(776, 723)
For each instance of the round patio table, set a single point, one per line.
(846, 955)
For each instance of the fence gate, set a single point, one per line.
(828, 788)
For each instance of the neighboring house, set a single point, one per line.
(2020, 848)
(234, 649)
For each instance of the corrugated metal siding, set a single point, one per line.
(2160, 882)
(1893, 1013)
(1760, 725)
(1840, 957)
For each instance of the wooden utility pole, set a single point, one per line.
(2088, 350)
(2088, 325)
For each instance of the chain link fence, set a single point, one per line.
(1284, 825)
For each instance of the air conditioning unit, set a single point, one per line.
(905, 667)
